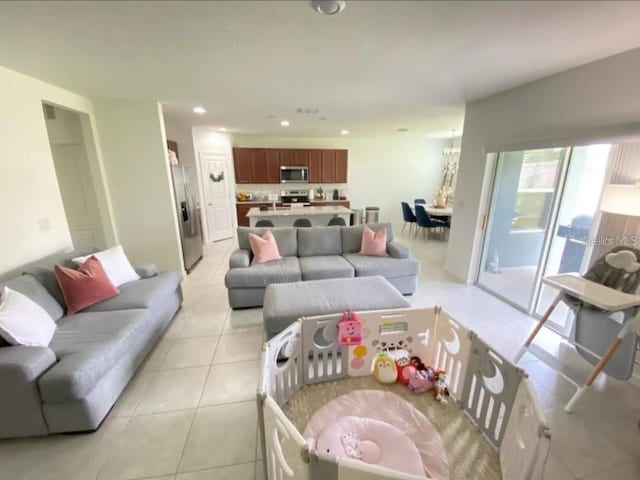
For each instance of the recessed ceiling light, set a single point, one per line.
(344, 132)
(199, 110)
(222, 129)
(328, 7)
(284, 123)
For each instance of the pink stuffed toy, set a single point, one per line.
(349, 329)
(421, 377)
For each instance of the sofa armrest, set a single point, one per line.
(397, 250)
(146, 270)
(27, 363)
(240, 258)
(20, 401)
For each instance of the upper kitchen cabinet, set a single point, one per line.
(328, 166)
(262, 165)
(287, 157)
(243, 164)
(341, 166)
(273, 165)
(314, 159)
(301, 158)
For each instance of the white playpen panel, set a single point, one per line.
(285, 448)
(349, 469)
(390, 330)
(451, 347)
(324, 358)
(526, 441)
(285, 376)
(490, 389)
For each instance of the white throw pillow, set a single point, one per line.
(23, 321)
(115, 263)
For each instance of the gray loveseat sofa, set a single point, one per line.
(315, 253)
(72, 384)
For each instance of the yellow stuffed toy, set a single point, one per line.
(384, 368)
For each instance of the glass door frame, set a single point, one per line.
(550, 229)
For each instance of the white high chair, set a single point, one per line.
(607, 291)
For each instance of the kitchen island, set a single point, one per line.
(286, 216)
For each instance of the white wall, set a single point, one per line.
(383, 171)
(34, 223)
(135, 157)
(596, 102)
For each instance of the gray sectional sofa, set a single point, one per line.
(315, 253)
(72, 384)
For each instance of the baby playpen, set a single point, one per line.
(493, 394)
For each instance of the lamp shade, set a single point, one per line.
(621, 199)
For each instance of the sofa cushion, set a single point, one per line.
(42, 270)
(388, 267)
(87, 345)
(143, 293)
(352, 236)
(29, 286)
(325, 266)
(262, 274)
(285, 239)
(319, 241)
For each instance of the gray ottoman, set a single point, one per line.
(284, 303)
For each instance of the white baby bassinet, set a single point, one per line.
(496, 396)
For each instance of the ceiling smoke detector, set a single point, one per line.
(328, 7)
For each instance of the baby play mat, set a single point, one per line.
(450, 446)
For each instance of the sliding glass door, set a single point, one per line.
(569, 249)
(523, 197)
(540, 218)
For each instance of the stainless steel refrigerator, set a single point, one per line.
(185, 187)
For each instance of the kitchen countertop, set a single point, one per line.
(248, 202)
(299, 211)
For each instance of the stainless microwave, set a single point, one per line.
(294, 174)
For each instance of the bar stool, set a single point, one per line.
(302, 222)
(264, 223)
(339, 221)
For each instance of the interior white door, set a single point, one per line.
(78, 196)
(216, 195)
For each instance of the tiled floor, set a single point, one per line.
(189, 413)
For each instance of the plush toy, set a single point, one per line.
(405, 370)
(350, 329)
(441, 388)
(421, 381)
(384, 368)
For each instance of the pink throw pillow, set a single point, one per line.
(85, 286)
(374, 243)
(264, 248)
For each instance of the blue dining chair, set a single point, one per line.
(424, 220)
(407, 216)
(419, 201)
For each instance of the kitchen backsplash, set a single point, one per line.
(261, 191)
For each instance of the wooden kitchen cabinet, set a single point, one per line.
(328, 166)
(262, 165)
(287, 157)
(341, 159)
(243, 164)
(259, 165)
(314, 159)
(300, 158)
(273, 165)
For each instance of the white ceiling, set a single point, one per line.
(374, 68)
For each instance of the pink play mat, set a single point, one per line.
(405, 422)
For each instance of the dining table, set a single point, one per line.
(433, 210)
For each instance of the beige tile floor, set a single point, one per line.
(189, 413)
